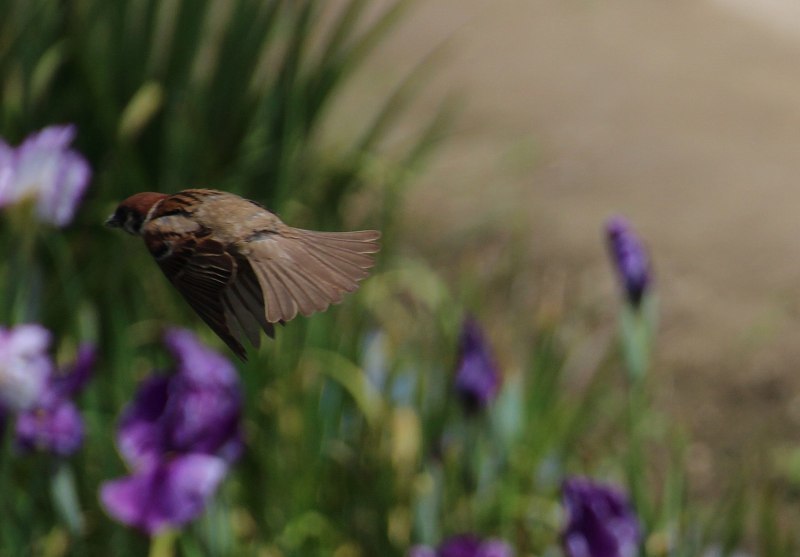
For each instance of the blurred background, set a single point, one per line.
(684, 117)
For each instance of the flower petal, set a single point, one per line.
(495, 548)
(421, 551)
(25, 367)
(30, 338)
(74, 377)
(57, 428)
(203, 413)
(141, 434)
(167, 495)
(199, 362)
(477, 377)
(7, 163)
(203, 418)
(58, 202)
(44, 168)
(601, 521)
(465, 545)
(629, 258)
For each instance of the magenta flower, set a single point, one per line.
(600, 521)
(44, 169)
(465, 545)
(629, 258)
(178, 437)
(54, 424)
(477, 378)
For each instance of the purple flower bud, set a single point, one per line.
(600, 521)
(629, 258)
(45, 169)
(477, 379)
(178, 436)
(25, 366)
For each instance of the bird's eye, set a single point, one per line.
(133, 222)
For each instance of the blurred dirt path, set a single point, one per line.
(682, 115)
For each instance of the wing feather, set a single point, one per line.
(302, 271)
(201, 270)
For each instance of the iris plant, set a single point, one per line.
(178, 436)
(37, 394)
(600, 521)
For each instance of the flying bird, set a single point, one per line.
(238, 265)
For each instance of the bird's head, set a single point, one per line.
(131, 214)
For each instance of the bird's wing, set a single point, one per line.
(205, 273)
(301, 271)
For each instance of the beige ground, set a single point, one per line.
(684, 116)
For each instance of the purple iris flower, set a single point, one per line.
(54, 424)
(630, 259)
(37, 396)
(43, 168)
(477, 378)
(600, 521)
(464, 545)
(178, 436)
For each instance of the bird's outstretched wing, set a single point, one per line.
(240, 291)
(302, 271)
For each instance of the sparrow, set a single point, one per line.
(238, 265)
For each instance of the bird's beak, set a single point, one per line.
(112, 221)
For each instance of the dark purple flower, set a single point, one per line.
(196, 409)
(477, 379)
(193, 412)
(600, 521)
(53, 424)
(629, 258)
(43, 168)
(464, 545)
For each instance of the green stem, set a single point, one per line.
(163, 544)
(23, 278)
(65, 497)
(636, 457)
